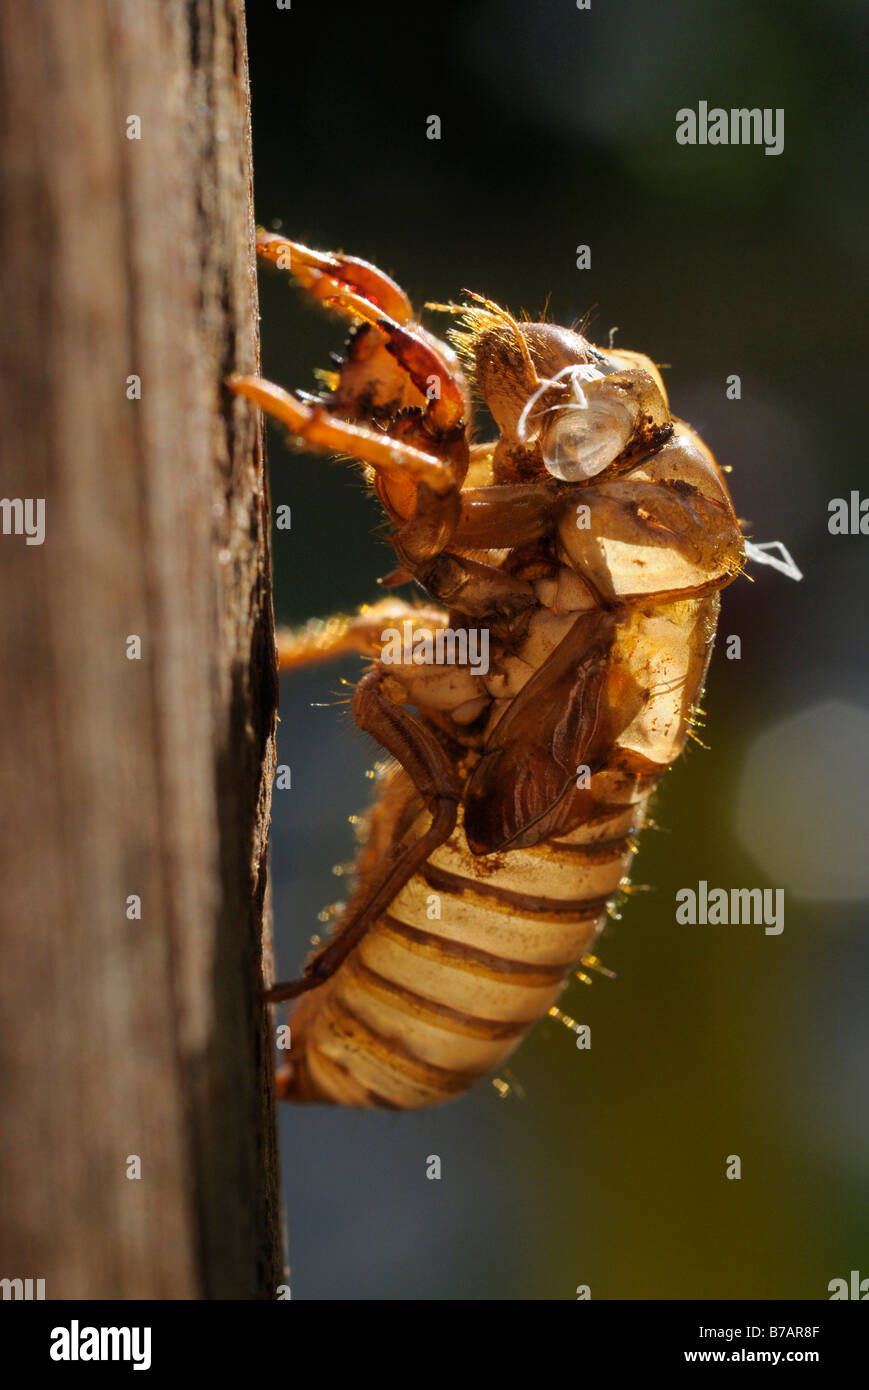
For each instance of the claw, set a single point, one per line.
(361, 291)
(426, 365)
(337, 279)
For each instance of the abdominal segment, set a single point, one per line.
(447, 983)
(476, 948)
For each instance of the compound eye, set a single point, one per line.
(581, 441)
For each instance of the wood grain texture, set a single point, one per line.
(152, 776)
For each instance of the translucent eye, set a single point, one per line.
(581, 441)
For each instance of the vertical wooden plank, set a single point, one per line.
(147, 777)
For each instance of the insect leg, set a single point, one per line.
(361, 291)
(390, 458)
(467, 585)
(334, 278)
(435, 493)
(418, 750)
(324, 639)
(470, 587)
(489, 517)
(505, 515)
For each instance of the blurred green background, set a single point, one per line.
(558, 128)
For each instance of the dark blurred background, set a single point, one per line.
(558, 128)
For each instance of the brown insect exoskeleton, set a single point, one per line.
(583, 551)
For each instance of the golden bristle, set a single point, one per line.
(483, 316)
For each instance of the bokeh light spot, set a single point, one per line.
(803, 800)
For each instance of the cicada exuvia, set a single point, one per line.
(572, 567)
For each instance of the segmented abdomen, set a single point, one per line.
(476, 948)
(471, 954)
